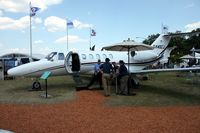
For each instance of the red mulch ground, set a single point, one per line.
(89, 114)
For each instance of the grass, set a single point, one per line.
(16, 91)
(163, 89)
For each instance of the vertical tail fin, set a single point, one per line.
(161, 43)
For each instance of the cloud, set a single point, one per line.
(43, 50)
(89, 13)
(37, 20)
(1, 13)
(36, 50)
(80, 25)
(1, 45)
(17, 50)
(7, 23)
(189, 6)
(38, 42)
(192, 26)
(71, 39)
(23, 5)
(54, 24)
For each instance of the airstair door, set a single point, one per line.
(75, 62)
(1, 70)
(72, 62)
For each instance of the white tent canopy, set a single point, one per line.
(128, 45)
(187, 57)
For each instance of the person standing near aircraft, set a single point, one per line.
(107, 75)
(123, 78)
(115, 67)
(115, 74)
(97, 75)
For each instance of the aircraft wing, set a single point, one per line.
(167, 70)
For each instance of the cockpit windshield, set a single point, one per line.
(51, 55)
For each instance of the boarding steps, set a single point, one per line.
(79, 83)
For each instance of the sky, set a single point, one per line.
(113, 21)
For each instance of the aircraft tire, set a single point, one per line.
(36, 85)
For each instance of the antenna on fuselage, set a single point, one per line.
(92, 48)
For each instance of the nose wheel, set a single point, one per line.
(36, 85)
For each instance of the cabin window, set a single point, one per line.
(25, 60)
(98, 56)
(91, 56)
(83, 56)
(110, 56)
(104, 56)
(61, 56)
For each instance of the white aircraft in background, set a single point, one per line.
(83, 61)
(195, 53)
(192, 59)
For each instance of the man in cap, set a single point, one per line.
(106, 77)
(123, 78)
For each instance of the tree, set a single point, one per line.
(150, 39)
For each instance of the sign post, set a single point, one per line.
(45, 76)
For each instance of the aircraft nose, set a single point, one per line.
(12, 72)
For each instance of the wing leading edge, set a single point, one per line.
(167, 70)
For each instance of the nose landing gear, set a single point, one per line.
(36, 85)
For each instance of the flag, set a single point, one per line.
(93, 32)
(70, 24)
(165, 28)
(33, 11)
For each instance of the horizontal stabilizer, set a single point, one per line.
(183, 34)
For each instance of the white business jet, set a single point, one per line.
(83, 61)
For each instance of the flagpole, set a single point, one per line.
(67, 34)
(30, 31)
(90, 39)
